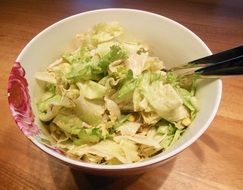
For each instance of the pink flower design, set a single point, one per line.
(56, 149)
(19, 101)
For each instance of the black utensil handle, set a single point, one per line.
(229, 67)
(220, 57)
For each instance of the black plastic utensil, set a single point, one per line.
(229, 67)
(226, 63)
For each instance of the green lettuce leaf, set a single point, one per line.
(164, 99)
(169, 133)
(104, 48)
(96, 70)
(80, 56)
(176, 136)
(165, 128)
(121, 121)
(188, 99)
(91, 90)
(88, 71)
(172, 79)
(115, 53)
(152, 95)
(87, 136)
(90, 111)
(126, 91)
(104, 32)
(48, 108)
(68, 121)
(188, 82)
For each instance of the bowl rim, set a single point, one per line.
(153, 160)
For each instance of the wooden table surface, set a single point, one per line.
(215, 161)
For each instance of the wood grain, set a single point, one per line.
(213, 162)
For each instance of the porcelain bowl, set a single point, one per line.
(172, 42)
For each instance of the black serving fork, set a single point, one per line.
(226, 63)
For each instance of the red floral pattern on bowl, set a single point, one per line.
(19, 101)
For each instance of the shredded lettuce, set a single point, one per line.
(136, 63)
(91, 90)
(96, 68)
(110, 102)
(87, 136)
(129, 128)
(90, 111)
(79, 56)
(113, 109)
(68, 122)
(104, 32)
(48, 108)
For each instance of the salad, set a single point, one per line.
(110, 102)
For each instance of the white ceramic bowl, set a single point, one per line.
(171, 41)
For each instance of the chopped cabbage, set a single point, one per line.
(129, 128)
(110, 102)
(91, 90)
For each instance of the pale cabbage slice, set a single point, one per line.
(140, 139)
(113, 108)
(46, 77)
(129, 128)
(89, 111)
(104, 32)
(104, 48)
(107, 149)
(136, 62)
(150, 117)
(130, 150)
(91, 90)
(69, 122)
(164, 100)
(49, 108)
(154, 64)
